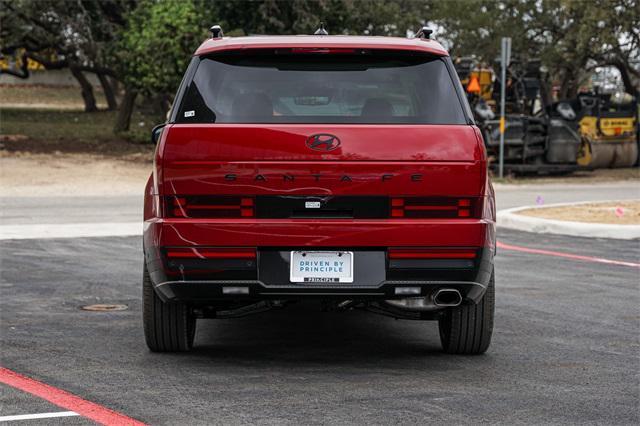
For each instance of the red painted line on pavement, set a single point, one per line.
(566, 255)
(90, 410)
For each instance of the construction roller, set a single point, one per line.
(608, 142)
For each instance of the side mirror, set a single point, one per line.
(156, 133)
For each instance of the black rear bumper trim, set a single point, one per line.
(203, 291)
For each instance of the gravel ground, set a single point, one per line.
(38, 175)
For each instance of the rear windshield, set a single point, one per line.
(353, 86)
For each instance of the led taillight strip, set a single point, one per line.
(211, 253)
(431, 207)
(401, 253)
(426, 207)
(183, 206)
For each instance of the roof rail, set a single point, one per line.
(321, 30)
(425, 33)
(216, 31)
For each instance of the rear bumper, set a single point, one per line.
(210, 291)
(267, 276)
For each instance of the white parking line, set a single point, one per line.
(69, 230)
(38, 416)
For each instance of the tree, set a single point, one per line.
(570, 37)
(366, 17)
(69, 34)
(154, 50)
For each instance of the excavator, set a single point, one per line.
(591, 131)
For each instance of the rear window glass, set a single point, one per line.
(356, 86)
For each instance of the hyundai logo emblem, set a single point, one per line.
(323, 142)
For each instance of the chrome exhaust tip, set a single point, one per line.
(446, 297)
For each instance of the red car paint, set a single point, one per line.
(394, 160)
(342, 169)
(449, 159)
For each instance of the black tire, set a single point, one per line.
(467, 329)
(168, 327)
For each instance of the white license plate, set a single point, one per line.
(321, 267)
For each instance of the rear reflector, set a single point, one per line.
(403, 291)
(235, 290)
(434, 207)
(206, 206)
(211, 253)
(417, 253)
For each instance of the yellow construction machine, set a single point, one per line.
(594, 130)
(609, 129)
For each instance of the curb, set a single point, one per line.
(510, 219)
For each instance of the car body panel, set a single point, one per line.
(377, 160)
(310, 41)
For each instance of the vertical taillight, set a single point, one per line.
(464, 207)
(433, 207)
(206, 206)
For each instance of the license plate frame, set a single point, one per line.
(328, 259)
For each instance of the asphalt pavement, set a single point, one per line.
(566, 346)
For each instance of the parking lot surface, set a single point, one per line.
(566, 346)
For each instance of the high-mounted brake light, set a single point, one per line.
(196, 206)
(433, 207)
(322, 50)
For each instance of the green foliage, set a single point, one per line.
(157, 44)
(147, 43)
(570, 37)
(357, 17)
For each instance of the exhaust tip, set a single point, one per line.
(447, 297)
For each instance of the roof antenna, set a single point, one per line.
(425, 33)
(321, 30)
(216, 31)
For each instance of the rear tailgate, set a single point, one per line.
(247, 159)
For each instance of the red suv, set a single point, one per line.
(341, 169)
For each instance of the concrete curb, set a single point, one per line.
(510, 219)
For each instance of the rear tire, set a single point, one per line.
(467, 329)
(168, 326)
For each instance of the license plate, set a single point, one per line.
(321, 267)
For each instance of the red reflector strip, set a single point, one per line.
(210, 253)
(431, 254)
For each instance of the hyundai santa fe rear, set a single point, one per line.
(345, 170)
